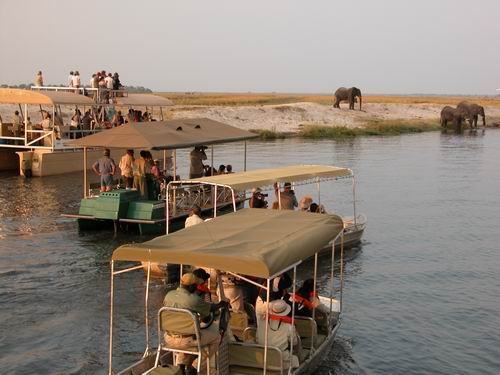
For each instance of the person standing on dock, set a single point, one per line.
(106, 168)
(127, 168)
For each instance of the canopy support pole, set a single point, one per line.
(266, 335)
(110, 369)
(341, 270)
(212, 160)
(245, 158)
(332, 275)
(314, 294)
(85, 172)
(146, 300)
(215, 201)
(165, 162)
(279, 194)
(161, 113)
(175, 164)
(167, 209)
(26, 124)
(234, 199)
(293, 310)
(318, 186)
(354, 198)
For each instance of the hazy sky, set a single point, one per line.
(384, 46)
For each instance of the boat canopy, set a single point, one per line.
(165, 135)
(252, 241)
(19, 96)
(265, 177)
(148, 100)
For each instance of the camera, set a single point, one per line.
(261, 195)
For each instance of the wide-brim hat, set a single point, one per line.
(279, 307)
(190, 279)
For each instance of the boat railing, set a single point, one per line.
(99, 95)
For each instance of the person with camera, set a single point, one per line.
(196, 157)
(258, 199)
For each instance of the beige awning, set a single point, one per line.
(165, 135)
(252, 241)
(266, 177)
(146, 100)
(39, 97)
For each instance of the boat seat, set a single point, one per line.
(308, 331)
(242, 370)
(167, 370)
(238, 322)
(250, 335)
(175, 321)
(249, 359)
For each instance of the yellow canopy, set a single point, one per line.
(39, 97)
(265, 177)
(252, 241)
(148, 100)
(165, 135)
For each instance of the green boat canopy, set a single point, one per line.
(265, 177)
(252, 241)
(165, 135)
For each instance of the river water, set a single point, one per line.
(421, 293)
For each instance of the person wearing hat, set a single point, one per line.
(106, 168)
(281, 331)
(185, 297)
(258, 200)
(287, 196)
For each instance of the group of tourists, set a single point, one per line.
(286, 198)
(198, 169)
(143, 173)
(195, 294)
(107, 83)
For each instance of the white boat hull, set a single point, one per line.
(353, 231)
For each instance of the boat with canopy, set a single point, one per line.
(48, 150)
(250, 244)
(238, 184)
(158, 136)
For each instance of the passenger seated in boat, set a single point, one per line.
(279, 290)
(313, 207)
(229, 169)
(281, 332)
(185, 297)
(306, 300)
(305, 203)
(222, 169)
(287, 196)
(194, 216)
(202, 288)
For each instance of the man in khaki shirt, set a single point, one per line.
(127, 168)
(140, 175)
(184, 297)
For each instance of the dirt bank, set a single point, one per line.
(290, 117)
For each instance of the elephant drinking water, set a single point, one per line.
(345, 94)
(472, 111)
(454, 115)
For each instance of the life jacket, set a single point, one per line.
(279, 318)
(203, 288)
(305, 301)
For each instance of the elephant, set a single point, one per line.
(472, 112)
(343, 94)
(454, 115)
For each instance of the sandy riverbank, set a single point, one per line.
(291, 117)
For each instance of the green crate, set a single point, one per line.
(110, 215)
(145, 210)
(87, 206)
(121, 194)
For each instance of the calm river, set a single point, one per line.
(422, 292)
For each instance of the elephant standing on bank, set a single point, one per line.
(345, 94)
(472, 112)
(454, 115)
